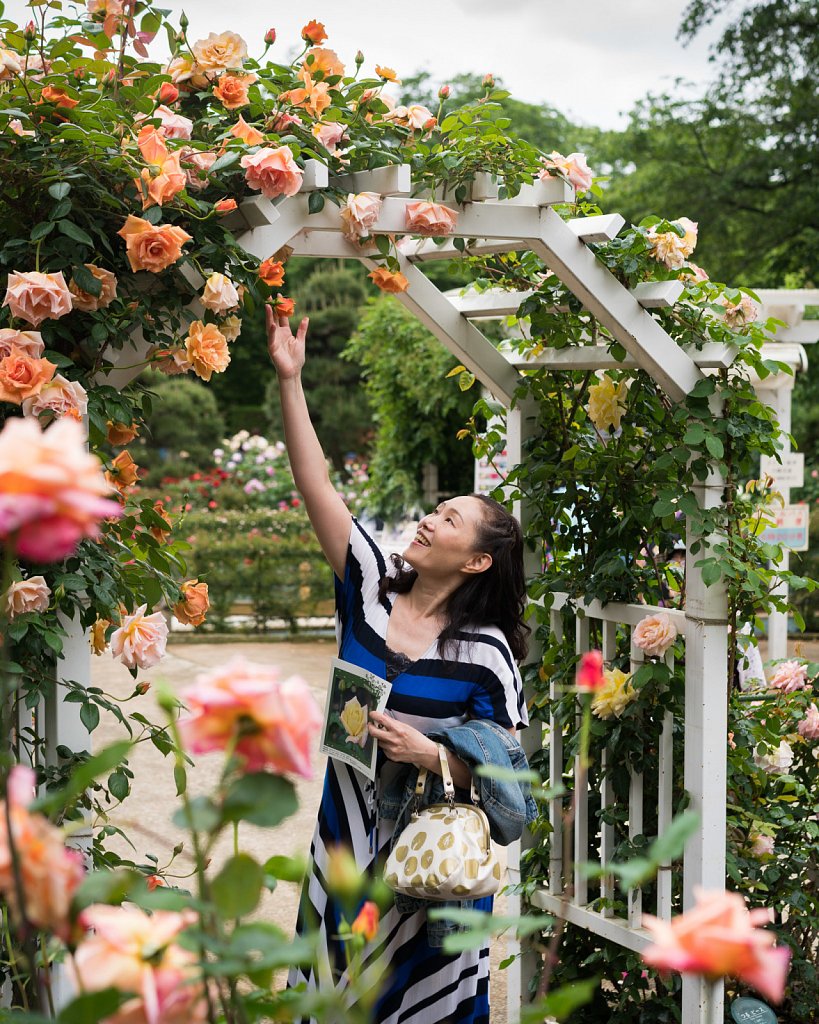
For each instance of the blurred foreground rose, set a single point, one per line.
(51, 489)
(50, 872)
(719, 937)
(590, 672)
(31, 595)
(136, 953)
(654, 634)
(366, 923)
(140, 640)
(271, 721)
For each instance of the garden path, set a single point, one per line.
(146, 814)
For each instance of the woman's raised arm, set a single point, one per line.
(328, 514)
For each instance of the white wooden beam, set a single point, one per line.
(615, 307)
(804, 333)
(597, 229)
(657, 294)
(597, 357)
(325, 244)
(777, 296)
(424, 249)
(614, 929)
(315, 176)
(394, 180)
(490, 304)
(544, 192)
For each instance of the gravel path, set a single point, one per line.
(146, 814)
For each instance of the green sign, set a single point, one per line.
(752, 1011)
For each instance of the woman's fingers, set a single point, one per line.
(301, 333)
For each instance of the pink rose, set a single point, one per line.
(135, 952)
(219, 294)
(789, 676)
(590, 672)
(719, 937)
(51, 489)
(761, 845)
(35, 297)
(61, 396)
(31, 595)
(432, 219)
(654, 634)
(359, 213)
(273, 172)
(176, 126)
(329, 135)
(738, 314)
(28, 342)
(809, 726)
(50, 873)
(281, 122)
(196, 165)
(140, 640)
(274, 720)
(572, 167)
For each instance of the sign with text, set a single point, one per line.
(489, 475)
(746, 1010)
(789, 473)
(791, 530)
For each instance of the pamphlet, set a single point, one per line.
(352, 694)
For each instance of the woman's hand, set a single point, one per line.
(286, 349)
(402, 743)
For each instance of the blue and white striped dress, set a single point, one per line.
(479, 680)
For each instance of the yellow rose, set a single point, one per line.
(616, 693)
(606, 406)
(354, 720)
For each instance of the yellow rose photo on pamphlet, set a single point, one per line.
(351, 695)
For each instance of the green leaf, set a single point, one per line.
(83, 775)
(315, 202)
(180, 777)
(90, 716)
(117, 782)
(92, 1006)
(288, 869)
(670, 845)
(711, 573)
(695, 434)
(226, 160)
(204, 815)
(715, 446)
(110, 887)
(39, 231)
(70, 230)
(562, 1002)
(86, 280)
(261, 799)
(59, 190)
(238, 886)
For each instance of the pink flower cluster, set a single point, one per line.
(789, 676)
(572, 167)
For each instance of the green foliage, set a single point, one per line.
(418, 411)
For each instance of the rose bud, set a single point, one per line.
(270, 36)
(488, 81)
(359, 57)
(444, 92)
(168, 93)
(225, 205)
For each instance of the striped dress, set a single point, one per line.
(421, 984)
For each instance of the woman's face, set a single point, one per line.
(445, 543)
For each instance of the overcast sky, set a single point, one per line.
(591, 60)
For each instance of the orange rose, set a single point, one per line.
(124, 472)
(387, 74)
(22, 377)
(120, 434)
(366, 923)
(206, 349)
(158, 188)
(232, 90)
(35, 297)
(193, 607)
(272, 273)
(273, 172)
(225, 206)
(326, 61)
(432, 219)
(247, 133)
(168, 93)
(59, 97)
(314, 32)
(388, 280)
(283, 306)
(152, 247)
(89, 303)
(151, 143)
(157, 532)
(218, 52)
(314, 97)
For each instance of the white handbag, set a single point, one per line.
(445, 852)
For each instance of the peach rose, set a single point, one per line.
(181, 69)
(231, 328)
(223, 206)
(669, 248)
(194, 605)
(572, 167)
(172, 361)
(329, 135)
(197, 164)
(359, 213)
(718, 937)
(366, 922)
(35, 297)
(174, 125)
(326, 61)
(28, 342)
(654, 634)
(431, 219)
(99, 645)
(120, 433)
(23, 596)
(207, 349)
(809, 726)
(159, 534)
(283, 715)
(232, 90)
(693, 271)
(51, 489)
(282, 121)
(415, 116)
(246, 132)
(789, 676)
(60, 396)
(135, 952)
(219, 294)
(158, 188)
(389, 75)
(59, 97)
(10, 64)
(124, 472)
(89, 303)
(50, 873)
(313, 96)
(151, 145)
(16, 125)
(389, 281)
(140, 640)
(220, 51)
(152, 247)
(272, 272)
(314, 32)
(273, 172)
(22, 377)
(740, 313)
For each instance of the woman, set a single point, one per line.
(444, 625)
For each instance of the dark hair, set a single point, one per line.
(496, 597)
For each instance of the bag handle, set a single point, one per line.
(446, 775)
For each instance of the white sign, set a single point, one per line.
(789, 473)
(791, 530)
(489, 475)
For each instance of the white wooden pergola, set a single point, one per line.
(262, 227)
